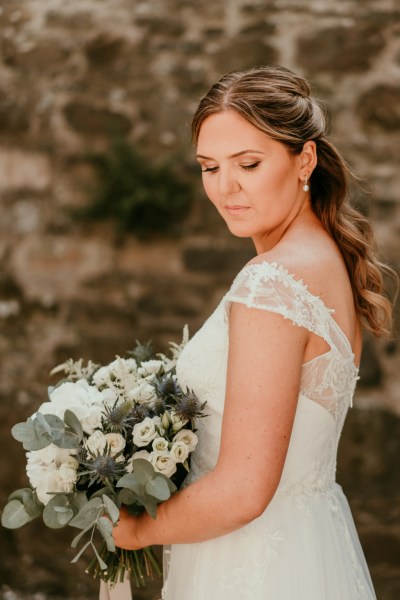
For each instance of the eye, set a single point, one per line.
(250, 167)
(210, 170)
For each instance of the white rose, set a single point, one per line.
(187, 437)
(115, 442)
(179, 452)
(144, 432)
(160, 444)
(93, 420)
(96, 442)
(163, 463)
(140, 454)
(150, 367)
(143, 393)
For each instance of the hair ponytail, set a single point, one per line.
(354, 236)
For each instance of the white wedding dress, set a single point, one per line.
(304, 546)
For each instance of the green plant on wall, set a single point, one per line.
(141, 196)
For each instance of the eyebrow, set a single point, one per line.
(233, 155)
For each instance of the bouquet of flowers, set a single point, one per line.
(113, 435)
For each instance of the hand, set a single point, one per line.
(124, 533)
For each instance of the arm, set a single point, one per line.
(263, 377)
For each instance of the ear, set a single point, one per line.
(308, 159)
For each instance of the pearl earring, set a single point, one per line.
(306, 187)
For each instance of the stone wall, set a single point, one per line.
(73, 73)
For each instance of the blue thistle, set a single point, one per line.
(188, 407)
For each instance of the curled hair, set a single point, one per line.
(279, 103)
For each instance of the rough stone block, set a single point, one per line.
(88, 119)
(340, 49)
(381, 106)
(24, 170)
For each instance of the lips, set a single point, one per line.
(235, 209)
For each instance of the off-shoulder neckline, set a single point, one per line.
(299, 283)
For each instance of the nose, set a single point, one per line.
(227, 182)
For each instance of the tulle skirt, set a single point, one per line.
(303, 547)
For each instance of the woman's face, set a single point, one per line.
(253, 180)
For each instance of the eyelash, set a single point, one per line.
(245, 167)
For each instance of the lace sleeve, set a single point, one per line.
(269, 286)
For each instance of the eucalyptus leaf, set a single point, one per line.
(72, 421)
(30, 501)
(105, 527)
(143, 470)
(79, 501)
(52, 425)
(52, 516)
(18, 494)
(65, 516)
(88, 514)
(42, 426)
(103, 565)
(150, 505)
(131, 482)
(15, 515)
(68, 441)
(111, 508)
(78, 537)
(81, 551)
(24, 432)
(99, 493)
(158, 488)
(127, 497)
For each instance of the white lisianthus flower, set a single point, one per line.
(115, 442)
(165, 420)
(163, 463)
(84, 400)
(96, 442)
(179, 452)
(177, 422)
(140, 454)
(150, 367)
(51, 470)
(145, 432)
(120, 368)
(160, 444)
(187, 437)
(143, 392)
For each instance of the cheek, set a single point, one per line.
(209, 188)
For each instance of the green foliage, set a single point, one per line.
(141, 196)
(23, 506)
(145, 486)
(42, 430)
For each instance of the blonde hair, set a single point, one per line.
(279, 103)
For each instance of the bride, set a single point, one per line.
(261, 516)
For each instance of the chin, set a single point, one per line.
(237, 231)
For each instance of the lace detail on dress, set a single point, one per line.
(270, 286)
(249, 577)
